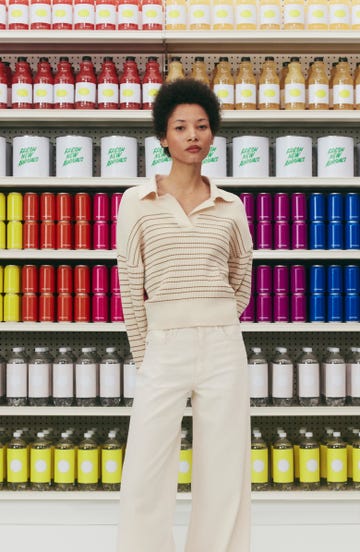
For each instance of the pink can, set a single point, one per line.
(281, 235)
(100, 279)
(100, 307)
(281, 307)
(101, 207)
(114, 280)
(264, 307)
(299, 235)
(115, 202)
(101, 235)
(112, 235)
(298, 307)
(264, 235)
(249, 313)
(116, 311)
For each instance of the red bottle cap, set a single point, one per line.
(47, 206)
(47, 307)
(82, 307)
(82, 235)
(31, 234)
(115, 202)
(31, 206)
(81, 279)
(100, 279)
(47, 235)
(114, 280)
(82, 207)
(29, 279)
(64, 206)
(101, 207)
(64, 307)
(47, 279)
(64, 234)
(29, 307)
(64, 279)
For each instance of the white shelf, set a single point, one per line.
(53, 181)
(58, 254)
(300, 327)
(99, 327)
(280, 117)
(290, 411)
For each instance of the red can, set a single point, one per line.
(101, 207)
(82, 207)
(47, 307)
(114, 280)
(64, 206)
(100, 279)
(48, 235)
(29, 279)
(101, 235)
(82, 235)
(82, 307)
(81, 279)
(64, 279)
(31, 234)
(64, 234)
(64, 307)
(47, 279)
(100, 307)
(115, 202)
(112, 235)
(47, 206)
(31, 206)
(29, 307)
(116, 311)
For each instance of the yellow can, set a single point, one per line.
(14, 235)
(2, 235)
(2, 207)
(15, 206)
(11, 307)
(1, 307)
(1, 279)
(12, 279)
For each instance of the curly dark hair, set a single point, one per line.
(184, 91)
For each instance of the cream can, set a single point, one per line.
(119, 156)
(335, 156)
(156, 160)
(74, 156)
(293, 157)
(31, 156)
(250, 156)
(214, 164)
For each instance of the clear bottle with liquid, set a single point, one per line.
(353, 377)
(334, 373)
(343, 86)
(269, 85)
(339, 15)
(222, 15)
(269, 15)
(88, 463)
(317, 15)
(245, 15)
(199, 12)
(86, 371)
(336, 463)
(17, 468)
(175, 15)
(17, 377)
(318, 86)
(111, 463)
(309, 463)
(282, 378)
(199, 70)
(245, 85)
(40, 463)
(185, 463)
(308, 378)
(63, 378)
(64, 463)
(258, 368)
(40, 369)
(355, 453)
(129, 374)
(294, 15)
(176, 70)
(294, 86)
(283, 463)
(223, 84)
(110, 378)
(259, 463)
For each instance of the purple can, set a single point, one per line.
(297, 279)
(264, 235)
(114, 280)
(281, 235)
(249, 313)
(115, 202)
(298, 206)
(264, 209)
(249, 204)
(298, 307)
(281, 279)
(101, 235)
(264, 279)
(101, 207)
(113, 235)
(264, 307)
(281, 307)
(99, 279)
(281, 207)
(299, 235)
(116, 311)
(100, 307)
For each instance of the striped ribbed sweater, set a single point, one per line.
(178, 270)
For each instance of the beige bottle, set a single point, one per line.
(318, 86)
(176, 70)
(317, 15)
(284, 72)
(223, 84)
(357, 86)
(355, 15)
(307, 84)
(245, 15)
(294, 86)
(331, 84)
(222, 15)
(245, 86)
(198, 70)
(339, 15)
(294, 15)
(343, 86)
(269, 85)
(270, 15)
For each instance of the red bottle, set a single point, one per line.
(2, 15)
(18, 15)
(62, 15)
(105, 15)
(64, 85)
(3, 86)
(43, 85)
(152, 15)
(85, 87)
(21, 93)
(130, 87)
(40, 14)
(108, 87)
(151, 83)
(84, 15)
(128, 15)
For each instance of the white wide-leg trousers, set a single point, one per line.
(209, 362)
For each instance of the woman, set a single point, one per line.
(185, 256)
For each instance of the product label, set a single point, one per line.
(62, 13)
(115, 156)
(318, 94)
(335, 380)
(39, 380)
(176, 15)
(223, 14)
(88, 466)
(18, 13)
(269, 94)
(294, 156)
(86, 375)
(108, 93)
(199, 14)
(336, 465)
(270, 14)
(356, 464)
(317, 14)
(64, 466)
(85, 92)
(63, 380)
(282, 380)
(110, 380)
(43, 93)
(73, 156)
(355, 15)
(105, 13)
(3, 93)
(28, 155)
(225, 93)
(294, 13)
(309, 460)
(245, 14)
(343, 94)
(64, 93)
(152, 14)
(283, 469)
(21, 93)
(2, 14)
(335, 156)
(259, 466)
(129, 380)
(212, 156)
(258, 380)
(128, 13)
(16, 380)
(84, 13)
(150, 90)
(111, 465)
(294, 93)
(40, 465)
(245, 94)
(40, 13)
(17, 465)
(130, 92)
(308, 380)
(354, 373)
(185, 465)
(339, 13)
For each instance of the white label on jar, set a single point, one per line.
(152, 14)
(270, 14)
(84, 13)
(43, 93)
(354, 377)
(108, 93)
(128, 13)
(176, 15)
(317, 14)
(130, 92)
(129, 380)
(105, 13)
(245, 14)
(294, 13)
(308, 380)
(150, 90)
(39, 380)
(335, 380)
(258, 380)
(21, 92)
(199, 14)
(62, 13)
(343, 94)
(3, 93)
(318, 94)
(63, 380)
(18, 13)
(355, 15)
(225, 93)
(294, 93)
(85, 92)
(223, 14)
(245, 93)
(2, 379)
(40, 13)
(2, 14)
(269, 94)
(339, 13)
(282, 380)
(64, 93)
(16, 380)
(110, 375)
(85, 380)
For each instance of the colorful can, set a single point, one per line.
(63, 206)
(14, 234)
(317, 279)
(352, 307)
(29, 279)
(317, 235)
(101, 235)
(31, 206)
(100, 307)
(281, 235)
(251, 226)
(281, 207)
(82, 207)
(64, 307)
(335, 279)
(352, 206)
(298, 206)
(114, 206)
(249, 313)
(12, 279)
(14, 206)
(281, 307)
(297, 279)
(64, 279)
(264, 279)
(11, 307)
(47, 206)
(113, 236)
(114, 279)
(29, 307)
(2, 235)
(47, 279)
(47, 235)
(317, 206)
(31, 234)
(82, 235)
(281, 279)
(46, 307)
(298, 307)
(335, 235)
(264, 235)
(249, 204)
(334, 307)
(81, 307)
(352, 279)
(2, 207)
(264, 210)
(116, 310)
(100, 279)
(352, 235)
(64, 234)
(317, 307)
(299, 234)
(335, 206)
(264, 307)
(101, 206)
(81, 279)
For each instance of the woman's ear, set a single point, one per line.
(164, 143)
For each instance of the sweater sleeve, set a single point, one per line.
(131, 276)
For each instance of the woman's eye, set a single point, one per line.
(203, 127)
(179, 128)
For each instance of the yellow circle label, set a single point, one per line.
(174, 14)
(198, 13)
(246, 93)
(41, 12)
(83, 12)
(294, 13)
(245, 14)
(295, 92)
(128, 92)
(128, 13)
(339, 13)
(269, 14)
(22, 92)
(83, 91)
(108, 93)
(60, 13)
(152, 92)
(104, 13)
(41, 93)
(151, 14)
(269, 93)
(16, 13)
(344, 94)
(61, 93)
(320, 93)
(223, 93)
(221, 13)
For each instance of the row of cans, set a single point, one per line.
(334, 279)
(334, 234)
(334, 207)
(277, 307)
(334, 307)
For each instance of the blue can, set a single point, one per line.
(352, 307)
(317, 206)
(352, 206)
(352, 235)
(335, 235)
(335, 206)
(317, 235)
(352, 278)
(317, 307)
(317, 279)
(335, 279)
(334, 307)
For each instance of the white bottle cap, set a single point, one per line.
(41, 349)
(281, 349)
(112, 434)
(40, 434)
(256, 350)
(64, 435)
(355, 430)
(88, 435)
(257, 434)
(18, 349)
(86, 349)
(110, 349)
(17, 434)
(307, 349)
(64, 349)
(329, 430)
(282, 434)
(302, 430)
(309, 434)
(337, 434)
(333, 349)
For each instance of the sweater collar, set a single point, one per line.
(150, 190)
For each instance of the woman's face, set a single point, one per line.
(188, 134)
